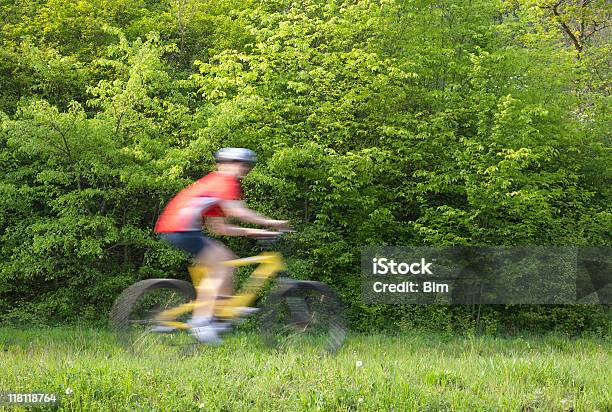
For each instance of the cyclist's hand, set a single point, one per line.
(279, 224)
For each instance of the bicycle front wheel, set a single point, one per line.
(302, 315)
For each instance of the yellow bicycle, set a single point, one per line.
(295, 312)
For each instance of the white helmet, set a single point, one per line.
(236, 154)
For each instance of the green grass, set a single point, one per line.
(424, 372)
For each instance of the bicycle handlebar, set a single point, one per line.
(268, 241)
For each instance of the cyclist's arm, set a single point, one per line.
(219, 226)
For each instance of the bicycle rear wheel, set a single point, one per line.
(132, 316)
(304, 314)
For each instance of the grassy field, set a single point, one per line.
(424, 372)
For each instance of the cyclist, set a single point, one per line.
(209, 201)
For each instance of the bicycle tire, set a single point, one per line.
(303, 312)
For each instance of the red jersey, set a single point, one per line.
(197, 201)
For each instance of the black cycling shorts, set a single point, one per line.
(192, 242)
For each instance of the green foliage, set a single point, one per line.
(378, 123)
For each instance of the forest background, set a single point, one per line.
(436, 123)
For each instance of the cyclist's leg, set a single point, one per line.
(209, 254)
(219, 280)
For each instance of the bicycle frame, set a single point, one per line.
(269, 264)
